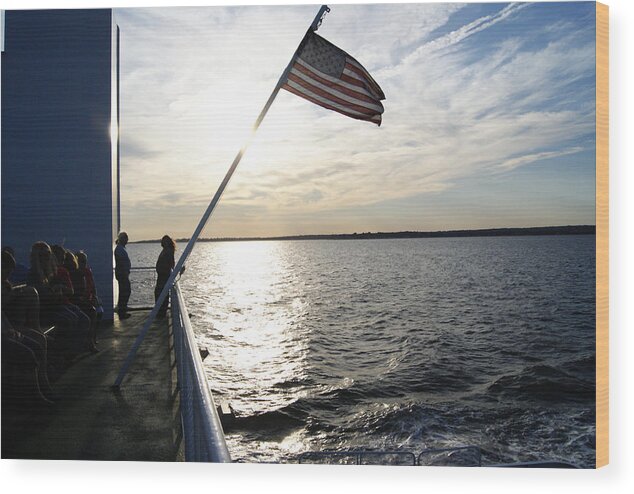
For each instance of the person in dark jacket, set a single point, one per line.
(164, 266)
(122, 274)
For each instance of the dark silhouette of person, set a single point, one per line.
(164, 265)
(71, 263)
(23, 340)
(18, 276)
(63, 282)
(122, 274)
(87, 283)
(54, 288)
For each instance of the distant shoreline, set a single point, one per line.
(488, 232)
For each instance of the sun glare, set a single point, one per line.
(253, 321)
(113, 130)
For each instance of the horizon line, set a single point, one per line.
(502, 231)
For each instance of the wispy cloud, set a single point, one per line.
(486, 96)
(462, 33)
(512, 163)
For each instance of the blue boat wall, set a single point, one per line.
(60, 135)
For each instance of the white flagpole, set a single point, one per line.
(203, 221)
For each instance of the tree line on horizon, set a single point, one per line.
(487, 232)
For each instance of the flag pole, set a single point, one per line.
(203, 221)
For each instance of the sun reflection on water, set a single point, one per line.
(248, 316)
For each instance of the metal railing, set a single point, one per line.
(460, 456)
(203, 435)
(466, 456)
(143, 280)
(404, 458)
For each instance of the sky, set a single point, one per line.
(489, 120)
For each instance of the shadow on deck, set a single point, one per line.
(91, 421)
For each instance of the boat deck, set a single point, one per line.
(90, 420)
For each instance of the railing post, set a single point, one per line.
(177, 332)
(188, 412)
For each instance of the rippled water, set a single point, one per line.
(399, 344)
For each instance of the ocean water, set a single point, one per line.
(398, 344)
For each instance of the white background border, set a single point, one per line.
(84, 477)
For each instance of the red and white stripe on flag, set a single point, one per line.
(329, 77)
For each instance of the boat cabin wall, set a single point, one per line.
(58, 181)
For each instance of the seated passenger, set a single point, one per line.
(18, 276)
(55, 288)
(21, 304)
(21, 344)
(90, 294)
(27, 352)
(86, 272)
(79, 298)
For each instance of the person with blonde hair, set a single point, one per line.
(55, 288)
(40, 276)
(122, 274)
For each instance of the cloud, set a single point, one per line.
(494, 93)
(512, 163)
(458, 35)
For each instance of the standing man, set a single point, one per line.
(122, 274)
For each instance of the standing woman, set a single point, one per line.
(122, 274)
(164, 266)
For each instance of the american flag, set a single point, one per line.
(329, 77)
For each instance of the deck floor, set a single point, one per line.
(91, 421)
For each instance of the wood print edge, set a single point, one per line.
(602, 235)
